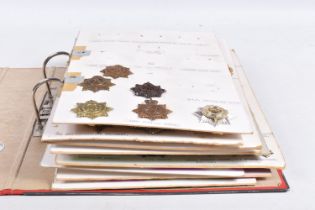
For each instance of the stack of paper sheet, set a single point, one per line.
(157, 110)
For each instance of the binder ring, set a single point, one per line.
(40, 83)
(45, 65)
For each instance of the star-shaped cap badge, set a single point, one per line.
(152, 110)
(91, 109)
(215, 113)
(148, 90)
(116, 71)
(96, 83)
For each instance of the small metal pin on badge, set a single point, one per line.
(152, 110)
(91, 109)
(116, 71)
(148, 90)
(96, 83)
(213, 115)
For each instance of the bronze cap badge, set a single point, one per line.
(148, 90)
(152, 110)
(96, 83)
(91, 109)
(116, 71)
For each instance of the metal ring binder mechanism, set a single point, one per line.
(43, 112)
(45, 65)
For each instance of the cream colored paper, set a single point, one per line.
(66, 132)
(88, 175)
(80, 150)
(194, 60)
(274, 160)
(145, 145)
(152, 184)
(169, 161)
(99, 175)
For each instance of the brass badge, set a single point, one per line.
(148, 90)
(215, 113)
(116, 71)
(96, 83)
(152, 110)
(91, 109)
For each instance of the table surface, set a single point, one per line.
(275, 41)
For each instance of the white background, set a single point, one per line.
(275, 41)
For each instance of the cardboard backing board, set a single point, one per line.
(21, 152)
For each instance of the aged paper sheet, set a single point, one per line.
(189, 68)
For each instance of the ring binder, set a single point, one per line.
(45, 65)
(43, 112)
(215, 137)
(46, 111)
